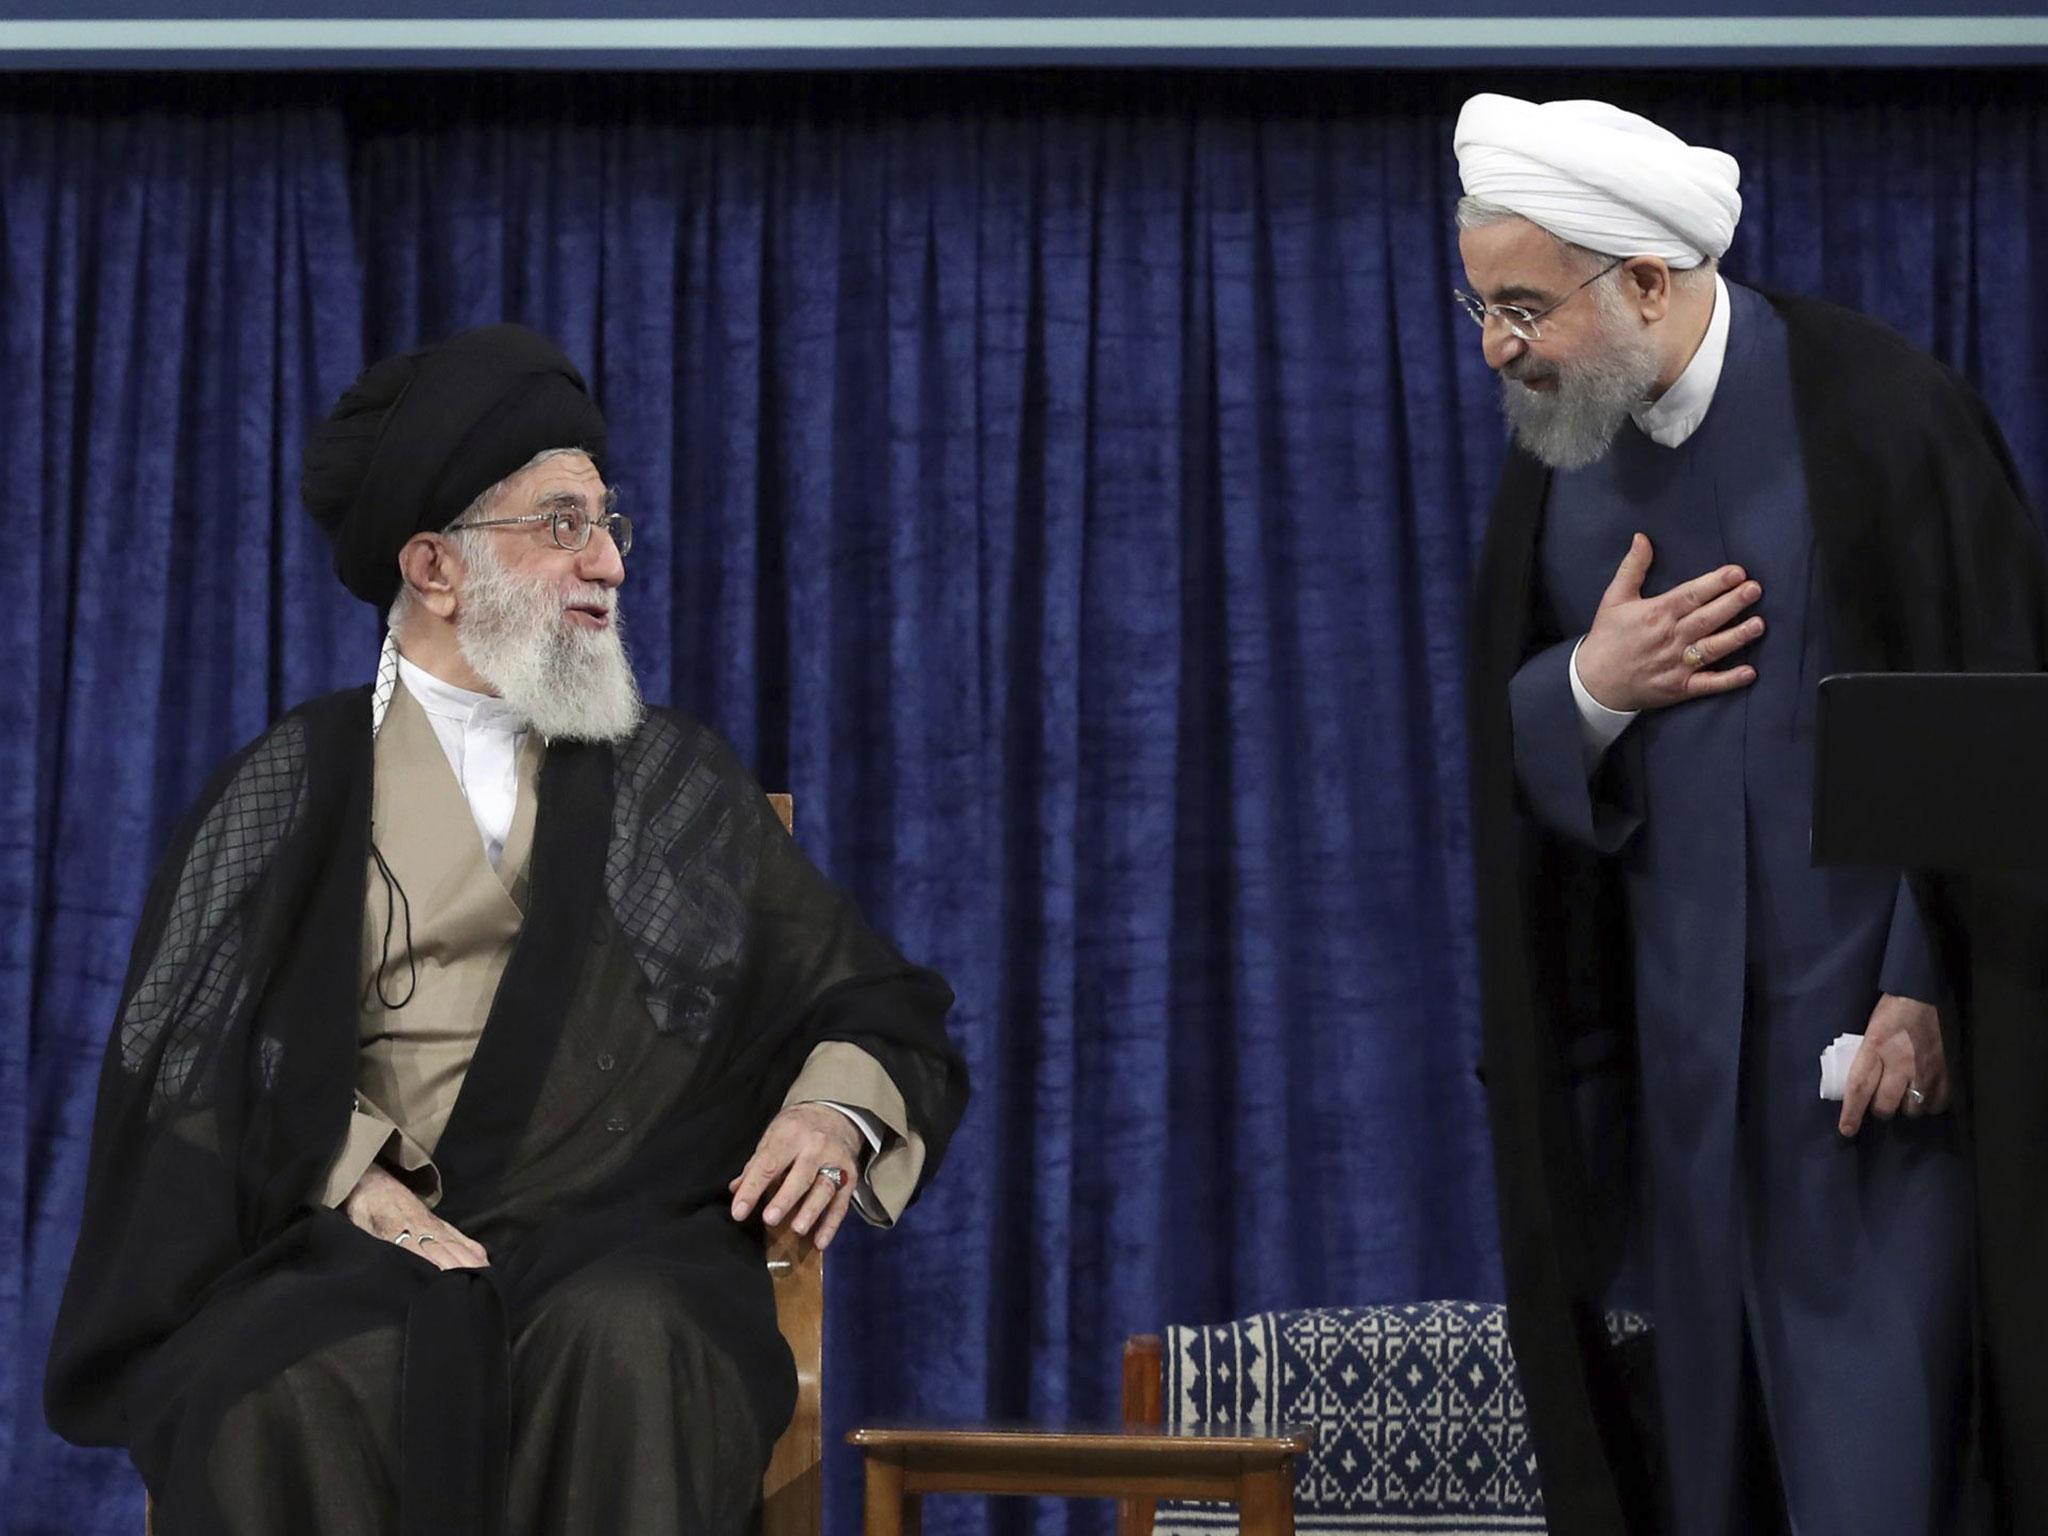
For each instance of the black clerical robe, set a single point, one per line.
(671, 925)
(1927, 558)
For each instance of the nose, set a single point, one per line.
(1501, 345)
(600, 560)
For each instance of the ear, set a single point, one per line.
(1646, 280)
(433, 570)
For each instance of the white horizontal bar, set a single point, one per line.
(1035, 34)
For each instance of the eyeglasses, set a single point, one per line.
(567, 526)
(1523, 322)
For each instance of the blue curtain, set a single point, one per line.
(179, 291)
(1067, 486)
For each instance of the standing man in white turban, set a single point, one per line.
(1714, 498)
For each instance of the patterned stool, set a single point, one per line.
(1419, 1419)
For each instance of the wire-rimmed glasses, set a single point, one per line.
(1520, 321)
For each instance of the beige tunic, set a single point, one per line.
(465, 918)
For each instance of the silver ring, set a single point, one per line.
(1916, 1095)
(836, 1177)
(403, 1238)
(426, 1238)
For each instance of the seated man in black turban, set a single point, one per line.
(476, 1021)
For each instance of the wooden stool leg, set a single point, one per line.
(891, 1511)
(1265, 1502)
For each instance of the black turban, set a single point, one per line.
(420, 436)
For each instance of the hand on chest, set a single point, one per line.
(1697, 523)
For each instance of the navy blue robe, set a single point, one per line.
(1846, 1262)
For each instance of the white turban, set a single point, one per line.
(1599, 177)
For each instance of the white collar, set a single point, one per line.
(1677, 413)
(475, 711)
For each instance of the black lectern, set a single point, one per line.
(1932, 770)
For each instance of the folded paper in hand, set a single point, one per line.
(1834, 1066)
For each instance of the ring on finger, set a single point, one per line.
(426, 1238)
(1915, 1095)
(403, 1238)
(1693, 657)
(833, 1175)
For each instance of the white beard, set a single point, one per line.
(571, 683)
(1573, 425)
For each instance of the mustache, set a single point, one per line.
(1526, 369)
(604, 599)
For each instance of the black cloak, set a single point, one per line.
(1929, 561)
(670, 916)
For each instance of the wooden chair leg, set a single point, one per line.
(1265, 1502)
(890, 1510)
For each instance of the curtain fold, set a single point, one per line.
(180, 290)
(1066, 486)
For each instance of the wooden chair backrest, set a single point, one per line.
(1144, 1394)
(793, 1492)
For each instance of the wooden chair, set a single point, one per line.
(1416, 1410)
(793, 1492)
(1144, 1374)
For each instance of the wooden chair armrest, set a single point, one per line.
(793, 1492)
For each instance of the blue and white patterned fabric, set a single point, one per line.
(1419, 1419)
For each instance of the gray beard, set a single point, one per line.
(1573, 425)
(572, 684)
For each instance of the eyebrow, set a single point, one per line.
(1518, 293)
(554, 500)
